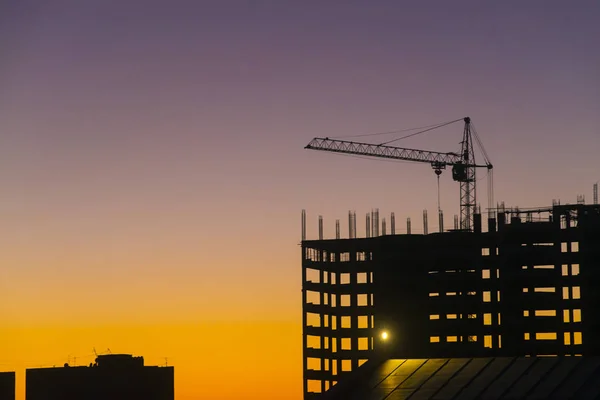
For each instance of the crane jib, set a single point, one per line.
(375, 150)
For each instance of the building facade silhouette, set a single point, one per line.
(114, 376)
(528, 286)
(7, 385)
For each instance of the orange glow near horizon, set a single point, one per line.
(215, 360)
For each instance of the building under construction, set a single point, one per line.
(522, 283)
(528, 285)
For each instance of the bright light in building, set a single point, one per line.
(384, 335)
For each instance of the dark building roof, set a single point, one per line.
(473, 378)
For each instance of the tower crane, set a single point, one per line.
(463, 163)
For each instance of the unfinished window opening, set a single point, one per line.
(487, 341)
(311, 255)
(544, 290)
(545, 313)
(346, 365)
(577, 315)
(313, 297)
(487, 297)
(333, 300)
(313, 363)
(361, 277)
(451, 339)
(363, 343)
(313, 275)
(363, 321)
(362, 300)
(576, 293)
(344, 279)
(487, 319)
(345, 257)
(434, 339)
(434, 316)
(485, 274)
(313, 342)
(313, 319)
(345, 300)
(346, 322)
(546, 336)
(361, 256)
(346, 344)
(575, 269)
(314, 386)
(577, 338)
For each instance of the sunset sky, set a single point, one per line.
(153, 172)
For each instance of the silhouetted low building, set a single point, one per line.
(7, 385)
(114, 377)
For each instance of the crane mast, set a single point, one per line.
(468, 194)
(463, 164)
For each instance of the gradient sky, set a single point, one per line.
(153, 171)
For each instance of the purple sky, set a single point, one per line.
(142, 141)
